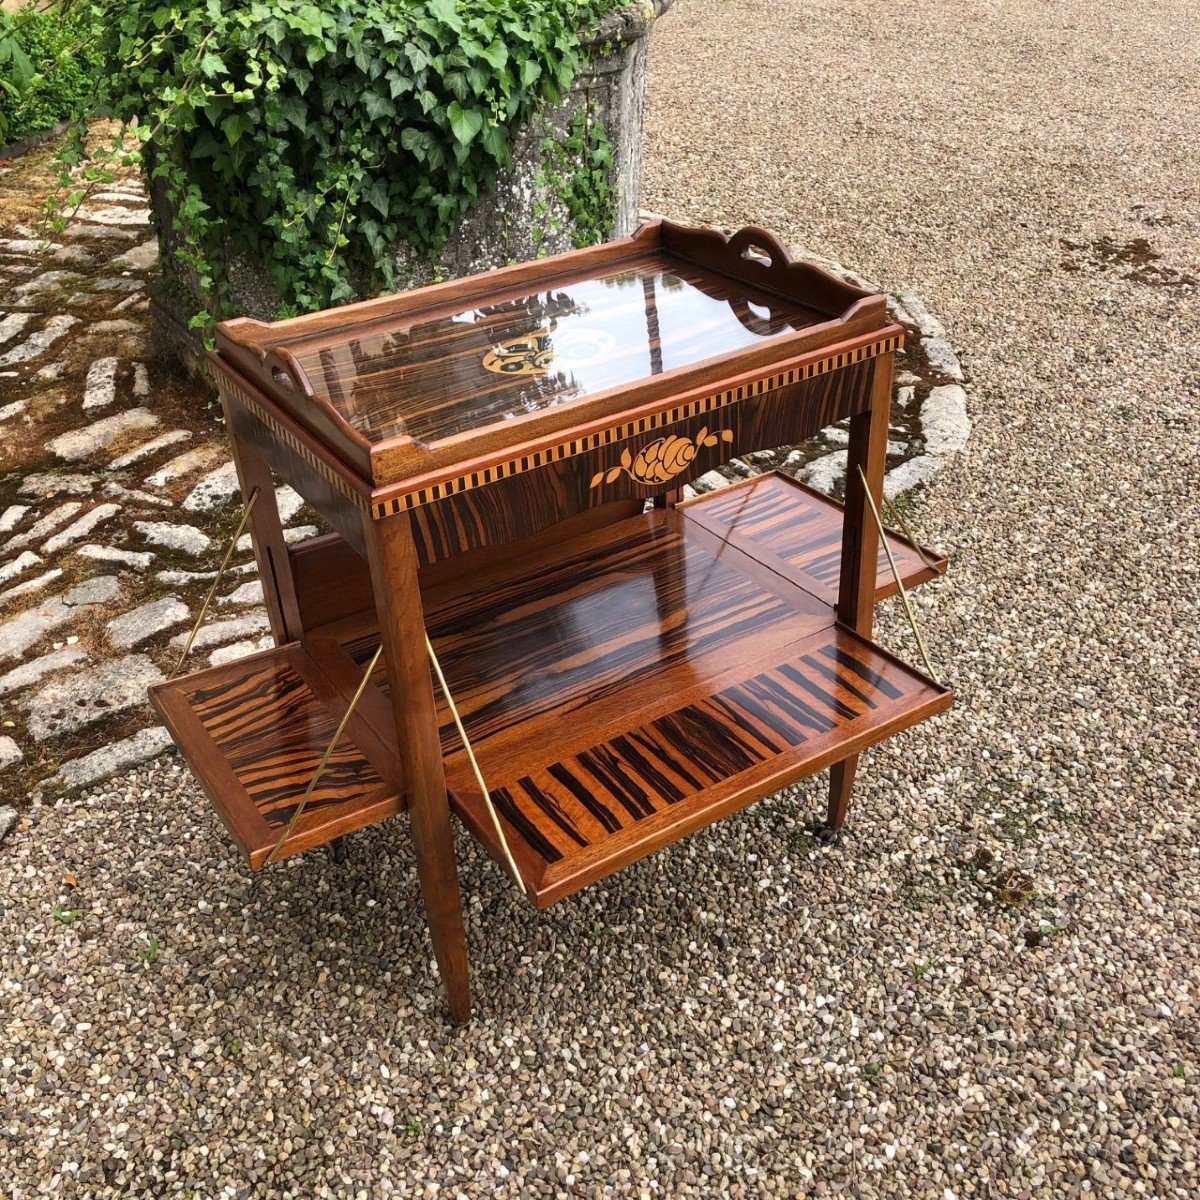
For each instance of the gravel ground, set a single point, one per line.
(989, 989)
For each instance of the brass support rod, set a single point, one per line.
(908, 608)
(896, 515)
(216, 583)
(333, 741)
(483, 787)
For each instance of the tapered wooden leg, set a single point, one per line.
(398, 603)
(270, 550)
(860, 551)
(841, 781)
(860, 539)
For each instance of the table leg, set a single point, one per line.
(270, 550)
(860, 548)
(393, 562)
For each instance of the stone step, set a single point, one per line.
(66, 706)
(39, 341)
(81, 443)
(108, 760)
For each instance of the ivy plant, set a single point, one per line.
(311, 137)
(16, 71)
(579, 168)
(48, 62)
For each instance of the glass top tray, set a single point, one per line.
(500, 357)
(492, 362)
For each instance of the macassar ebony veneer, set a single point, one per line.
(500, 459)
(632, 619)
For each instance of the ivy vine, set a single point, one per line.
(578, 170)
(310, 138)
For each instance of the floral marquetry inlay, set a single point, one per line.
(661, 459)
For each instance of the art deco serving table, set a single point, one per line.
(515, 618)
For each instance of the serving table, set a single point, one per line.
(501, 462)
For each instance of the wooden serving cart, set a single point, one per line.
(501, 625)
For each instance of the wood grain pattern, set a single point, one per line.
(793, 528)
(866, 457)
(583, 811)
(403, 386)
(650, 673)
(266, 535)
(805, 384)
(398, 605)
(433, 379)
(785, 525)
(520, 504)
(254, 732)
(529, 640)
(328, 485)
(625, 604)
(626, 677)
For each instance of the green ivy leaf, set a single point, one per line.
(212, 65)
(378, 106)
(295, 110)
(206, 146)
(234, 125)
(398, 84)
(416, 142)
(495, 142)
(465, 123)
(496, 54)
(446, 11)
(418, 57)
(377, 195)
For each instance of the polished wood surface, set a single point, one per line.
(398, 607)
(266, 535)
(254, 731)
(635, 460)
(866, 460)
(581, 808)
(483, 450)
(456, 373)
(787, 525)
(638, 684)
(398, 387)
(603, 622)
(780, 522)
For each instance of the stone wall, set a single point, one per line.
(525, 216)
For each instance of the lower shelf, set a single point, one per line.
(799, 531)
(253, 732)
(620, 691)
(581, 800)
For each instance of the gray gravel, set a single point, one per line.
(989, 990)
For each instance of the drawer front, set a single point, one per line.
(651, 458)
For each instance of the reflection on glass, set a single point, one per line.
(485, 365)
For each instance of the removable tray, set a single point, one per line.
(620, 691)
(405, 385)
